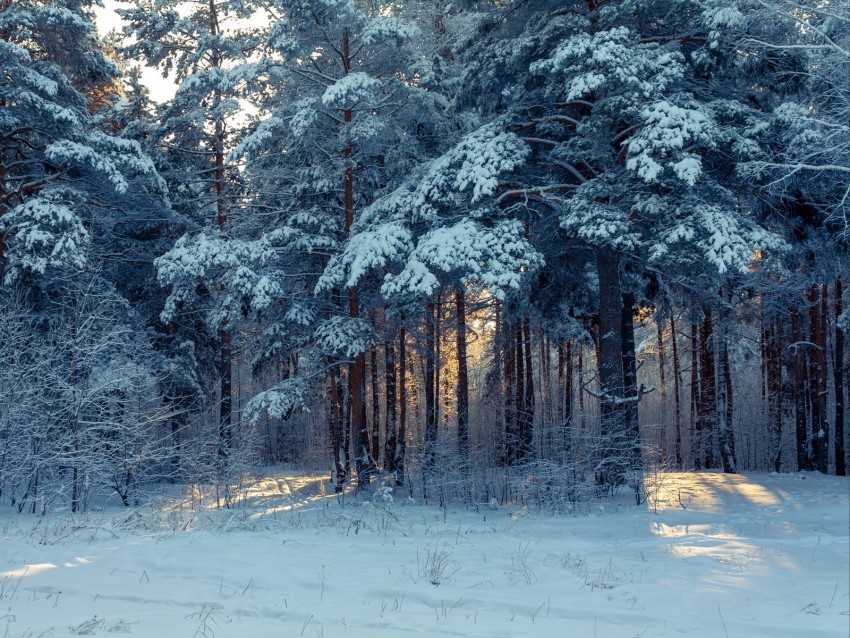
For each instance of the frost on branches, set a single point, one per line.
(441, 223)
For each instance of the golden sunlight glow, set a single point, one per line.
(287, 493)
(703, 491)
(28, 570)
(280, 493)
(725, 545)
(80, 561)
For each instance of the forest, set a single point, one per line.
(507, 251)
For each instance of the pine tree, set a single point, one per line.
(207, 50)
(346, 101)
(72, 194)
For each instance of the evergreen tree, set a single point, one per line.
(207, 48)
(72, 194)
(344, 118)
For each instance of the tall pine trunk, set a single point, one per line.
(613, 462)
(339, 452)
(580, 375)
(662, 376)
(357, 397)
(375, 436)
(800, 398)
(462, 379)
(3, 209)
(565, 403)
(707, 424)
(677, 394)
(430, 450)
(838, 382)
(561, 402)
(773, 388)
(509, 393)
(630, 389)
(401, 443)
(724, 405)
(519, 366)
(438, 359)
(546, 407)
(390, 435)
(357, 368)
(225, 336)
(819, 445)
(694, 402)
(528, 403)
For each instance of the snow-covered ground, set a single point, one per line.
(712, 555)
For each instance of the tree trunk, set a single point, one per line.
(567, 417)
(225, 363)
(74, 421)
(677, 383)
(773, 388)
(462, 379)
(729, 440)
(562, 404)
(764, 337)
(764, 365)
(580, 376)
(546, 420)
(177, 421)
(630, 389)
(339, 451)
(613, 463)
(519, 356)
(511, 431)
(838, 381)
(438, 359)
(662, 379)
(707, 425)
(494, 384)
(401, 445)
(390, 437)
(817, 382)
(568, 386)
(357, 368)
(528, 403)
(799, 391)
(357, 394)
(819, 445)
(724, 406)
(4, 208)
(225, 423)
(430, 450)
(695, 390)
(375, 438)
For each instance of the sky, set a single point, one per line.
(161, 89)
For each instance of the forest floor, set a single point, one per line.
(708, 555)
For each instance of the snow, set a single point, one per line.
(70, 151)
(755, 555)
(350, 90)
(667, 130)
(493, 257)
(345, 336)
(483, 155)
(286, 397)
(389, 28)
(47, 235)
(612, 57)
